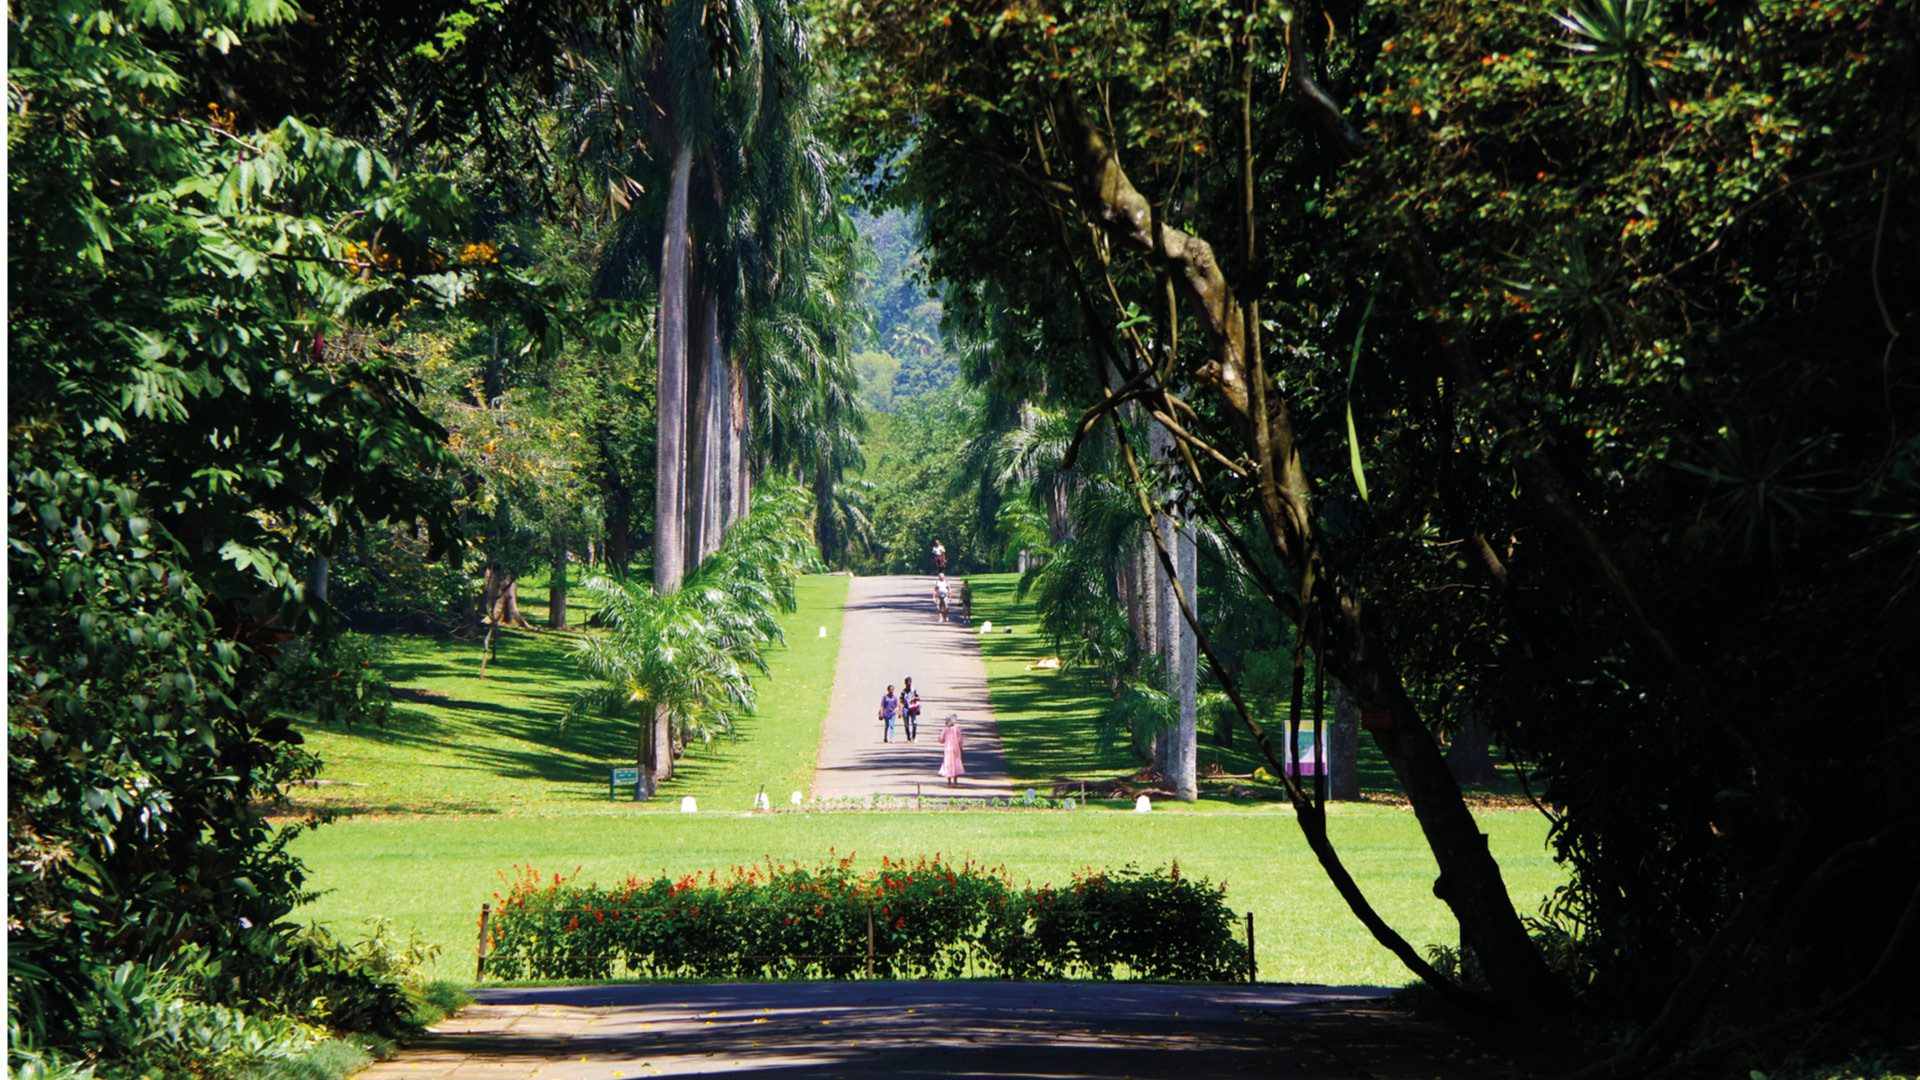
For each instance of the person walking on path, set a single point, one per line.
(940, 592)
(939, 557)
(950, 764)
(889, 705)
(910, 707)
(966, 601)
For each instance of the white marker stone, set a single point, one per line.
(987, 627)
(688, 806)
(1142, 804)
(761, 802)
(795, 800)
(823, 631)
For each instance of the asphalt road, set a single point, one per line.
(890, 633)
(936, 1029)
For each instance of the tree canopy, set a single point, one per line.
(1549, 370)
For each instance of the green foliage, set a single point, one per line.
(876, 371)
(1637, 285)
(906, 319)
(139, 740)
(1155, 925)
(691, 650)
(915, 466)
(194, 415)
(266, 1013)
(928, 919)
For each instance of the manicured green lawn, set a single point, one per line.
(476, 775)
(1050, 719)
(459, 743)
(433, 873)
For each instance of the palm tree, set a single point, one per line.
(716, 91)
(687, 654)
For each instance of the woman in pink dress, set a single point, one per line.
(950, 766)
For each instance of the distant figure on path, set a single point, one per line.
(940, 592)
(889, 704)
(939, 557)
(950, 765)
(910, 706)
(966, 601)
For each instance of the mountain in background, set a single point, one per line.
(907, 356)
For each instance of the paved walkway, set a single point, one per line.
(935, 1029)
(890, 633)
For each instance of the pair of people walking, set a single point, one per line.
(905, 705)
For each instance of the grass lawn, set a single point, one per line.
(475, 776)
(1050, 719)
(433, 873)
(459, 743)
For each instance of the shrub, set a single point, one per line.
(1156, 926)
(270, 1007)
(928, 919)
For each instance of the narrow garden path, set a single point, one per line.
(890, 633)
(936, 1029)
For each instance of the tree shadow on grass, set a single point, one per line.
(507, 725)
(1050, 726)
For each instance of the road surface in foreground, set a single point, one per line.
(936, 1029)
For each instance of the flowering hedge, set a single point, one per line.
(930, 919)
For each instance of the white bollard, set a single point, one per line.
(795, 800)
(1142, 804)
(761, 802)
(688, 806)
(823, 631)
(986, 627)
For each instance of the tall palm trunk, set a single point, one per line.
(740, 468)
(727, 449)
(1182, 765)
(669, 513)
(1175, 751)
(699, 422)
(826, 532)
(713, 507)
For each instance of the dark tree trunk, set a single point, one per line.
(1470, 881)
(1469, 755)
(713, 502)
(741, 500)
(824, 528)
(557, 583)
(1343, 748)
(617, 551)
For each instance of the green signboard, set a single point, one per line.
(618, 778)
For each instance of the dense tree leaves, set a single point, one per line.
(1611, 312)
(689, 652)
(193, 415)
